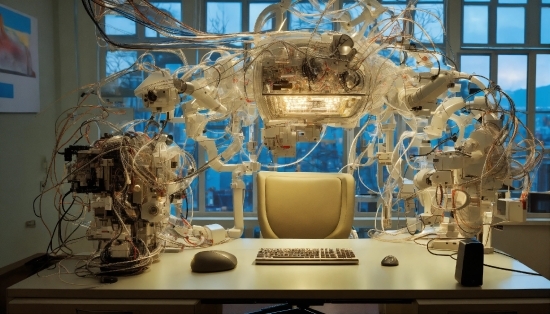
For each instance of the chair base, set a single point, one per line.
(287, 309)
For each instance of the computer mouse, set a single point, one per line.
(213, 261)
(390, 260)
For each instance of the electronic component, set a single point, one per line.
(469, 263)
(511, 209)
(538, 202)
(130, 204)
(305, 81)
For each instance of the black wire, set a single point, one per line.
(67, 241)
(428, 246)
(58, 224)
(80, 129)
(441, 142)
(34, 204)
(492, 266)
(186, 206)
(72, 203)
(423, 236)
(61, 241)
(504, 268)
(105, 250)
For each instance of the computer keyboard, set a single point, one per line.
(308, 256)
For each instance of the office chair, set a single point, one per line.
(304, 205)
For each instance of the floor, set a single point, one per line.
(329, 308)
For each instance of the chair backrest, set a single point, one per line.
(305, 205)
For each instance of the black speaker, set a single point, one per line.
(469, 263)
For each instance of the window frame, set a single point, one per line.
(194, 14)
(531, 48)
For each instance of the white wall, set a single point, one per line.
(26, 140)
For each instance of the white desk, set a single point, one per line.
(419, 276)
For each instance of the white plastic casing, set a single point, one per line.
(214, 232)
(511, 209)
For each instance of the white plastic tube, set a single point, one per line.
(237, 185)
(442, 115)
(204, 99)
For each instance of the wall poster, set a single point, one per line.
(19, 84)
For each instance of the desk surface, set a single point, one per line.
(419, 275)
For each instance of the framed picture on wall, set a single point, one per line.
(19, 84)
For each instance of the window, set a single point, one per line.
(310, 18)
(172, 8)
(116, 24)
(475, 24)
(476, 64)
(510, 25)
(544, 22)
(430, 21)
(214, 187)
(254, 10)
(486, 36)
(507, 40)
(223, 17)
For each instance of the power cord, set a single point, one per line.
(487, 265)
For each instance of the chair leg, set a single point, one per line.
(298, 310)
(286, 309)
(273, 309)
(312, 311)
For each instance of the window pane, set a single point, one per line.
(546, 1)
(512, 78)
(544, 26)
(219, 195)
(477, 0)
(188, 145)
(432, 23)
(218, 184)
(475, 24)
(542, 128)
(310, 20)
(167, 60)
(119, 25)
(366, 176)
(172, 8)
(510, 25)
(326, 157)
(354, 10)
(543, 83)
(386, 24)
(542, 180)
(254, 11)
(475, 64)
(512, 1)
(223, 17)
(116, 61)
